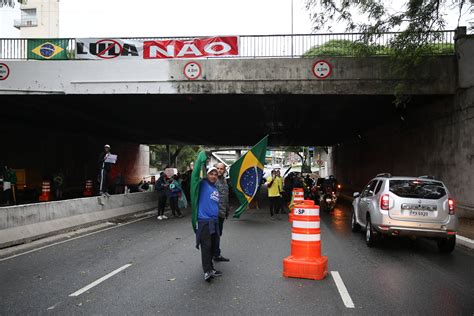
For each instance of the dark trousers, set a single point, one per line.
(217, 253)
(274, 204)
(174, 206)
(103, 181)
(161, 203)
(208, 248)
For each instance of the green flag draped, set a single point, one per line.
(246, 175)
(45, 49)
(199, 172)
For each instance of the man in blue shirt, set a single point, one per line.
(207, 233)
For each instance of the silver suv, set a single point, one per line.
(406, 206)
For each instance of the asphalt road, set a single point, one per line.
(162, 273)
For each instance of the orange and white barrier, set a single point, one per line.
(88, 189)
(45, 191)
(298, 198)
(305, 260)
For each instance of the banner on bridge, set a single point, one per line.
(90, 48)
(47, 49)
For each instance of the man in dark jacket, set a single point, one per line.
(104, 170)
(223, 189)
(162, 186)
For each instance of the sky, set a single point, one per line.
(155, 18)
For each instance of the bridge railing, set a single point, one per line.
(292, 46)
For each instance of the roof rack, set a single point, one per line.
(427, 177)
(384, 175)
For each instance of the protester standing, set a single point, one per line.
(274, 190)
(162, 186)
(223, 189)
(207, 233)
(105, 167)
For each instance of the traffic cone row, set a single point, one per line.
(305, 260)
(45, 191)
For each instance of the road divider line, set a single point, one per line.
(346, 298)
(102, 279)
(74, 238)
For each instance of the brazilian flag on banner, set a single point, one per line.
(246, 175)
(47, 49)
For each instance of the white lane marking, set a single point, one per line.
(61, 242)
(102, 279)
(346, 298)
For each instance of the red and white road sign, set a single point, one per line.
(322, 69)
(4, 71)
(192, 70)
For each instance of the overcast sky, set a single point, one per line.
(119, 18)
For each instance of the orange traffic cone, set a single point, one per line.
(88, 190)
(45, 191)
(305, 260)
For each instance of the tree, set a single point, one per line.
(177, 156)
(11, 3)
(416, 22)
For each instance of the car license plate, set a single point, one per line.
(419, 213)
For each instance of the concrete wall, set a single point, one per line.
(435, 139)
(32, 221)
(350, 75)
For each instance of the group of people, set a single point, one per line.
(170, 189)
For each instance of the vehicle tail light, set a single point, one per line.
(451, 206)
(339, 186)
(385, 202)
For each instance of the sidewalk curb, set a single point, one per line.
(464, 242)
(460, 240)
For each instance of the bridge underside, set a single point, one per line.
(207, 119)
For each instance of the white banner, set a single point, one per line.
(93, 48)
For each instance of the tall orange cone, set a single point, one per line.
(45, 191)
(305, 260)
(88, 189)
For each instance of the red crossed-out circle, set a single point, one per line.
(109, 47)
(2, 65)
(198, 69)
(325, 63)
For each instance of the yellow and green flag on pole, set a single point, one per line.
(246, 175)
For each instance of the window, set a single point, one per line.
(368, 188)
(377, 190)
(417, 189)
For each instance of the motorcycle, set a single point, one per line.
(328, 200)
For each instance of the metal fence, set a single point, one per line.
(292, 46)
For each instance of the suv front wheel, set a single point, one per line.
(447, 245)
(354, 225)
(371, 236)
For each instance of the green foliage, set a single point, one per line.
(358, 49)
(179, 156)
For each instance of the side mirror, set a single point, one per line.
(355, 194)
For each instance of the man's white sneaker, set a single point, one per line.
(165, 217)
(160, 217)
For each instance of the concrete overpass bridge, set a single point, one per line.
(62, 112)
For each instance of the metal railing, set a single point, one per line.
(25, 22)
(292, 46)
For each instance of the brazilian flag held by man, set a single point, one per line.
(245, 177)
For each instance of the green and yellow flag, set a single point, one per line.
(246, 175)
(45, 49)
(199, 172)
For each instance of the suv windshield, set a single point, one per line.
(417, 189)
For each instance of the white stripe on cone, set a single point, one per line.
(301, 224)
(306, 237)
(306, 211)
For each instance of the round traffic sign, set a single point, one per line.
(4, 71)
(192, 70)
(320, 163)
(322, 69)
